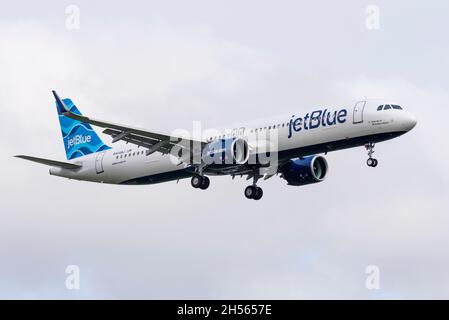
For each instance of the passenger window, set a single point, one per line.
(387, 107)
(380, 108)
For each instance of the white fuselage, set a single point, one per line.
(297, 135)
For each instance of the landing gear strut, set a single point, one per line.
(371, 162)
(201, 182)
(253, 191)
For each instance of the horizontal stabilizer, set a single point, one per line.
(53, 163)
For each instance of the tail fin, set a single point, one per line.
(79, 137)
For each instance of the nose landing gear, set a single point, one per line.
(371, 162)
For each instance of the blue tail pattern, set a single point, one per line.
(79, 138)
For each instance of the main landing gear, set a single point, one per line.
(251, 192)
(371, 162)
(254, 192)
(201, 182)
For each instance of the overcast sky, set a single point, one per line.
(161, 65)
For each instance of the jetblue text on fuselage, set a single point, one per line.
(78, 139)
(316, 119)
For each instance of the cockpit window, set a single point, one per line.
(388, 107)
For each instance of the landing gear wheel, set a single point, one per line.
(205, 183)
(259, 193)
(253, 192)
(196, 181)
(371, 162)
(250, 192)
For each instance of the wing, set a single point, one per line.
(52, 163)
(149, 139)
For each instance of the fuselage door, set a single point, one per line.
(99, 163)
(358, 111)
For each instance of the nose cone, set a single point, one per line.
(410, 121)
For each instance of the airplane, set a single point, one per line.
(150, 157)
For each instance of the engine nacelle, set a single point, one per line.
(221, 152)
(302, 171)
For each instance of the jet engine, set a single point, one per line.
(307, 170)
(226, 152)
